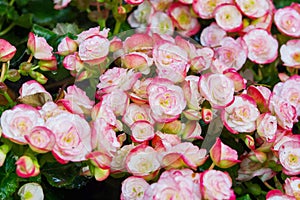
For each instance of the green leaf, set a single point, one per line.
(66, 176)
(43, 32)
(22, 3)
(245, 197)
(3, 8)
(12, 13)
(25, 20)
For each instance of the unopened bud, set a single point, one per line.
(25, 68)
(13, 75)
(48, 65)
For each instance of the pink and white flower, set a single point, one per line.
(212, 35)
(161, 23)
(133, 188)
(184, 154)
(175, 184)
(73, 63)
(27, 167)
(205, 8)
(117, 101)
(182, 19)
(166, 100)
(262, 47)
(222, 155)
(139, 18)
(19, 121)
(142, 131)
(7, 51)
(253, 8)
(290, 53)
(191, 92)
(216, 184)
(94, 50)
(32, 87)
(41, 139)
(134, 2)
(287, 20)
(66, 46)
(73, 137)
(138, 61)
(142, 161)
(117, 78)
(202, 60)
(60, 4)
(135, 112)
(228, 17)
(261, 96)
(290, 91)
(118, 163)
(289, 157)
(241, 115)
(95, 31)
(39, 47)
(171, 61)
(217, 89)
(291, 187)
(267, 126)
(32, 190)
(277, 194)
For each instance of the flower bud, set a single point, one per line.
(67, 46)
(25, 68)
(7, 51)
(48, 65)
(39, 77)
(27, 167)
(13, 75)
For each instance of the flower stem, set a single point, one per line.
(7, 29)
(30, 58)
(268, 185)
(11, 103)
(3, 72)
(211, 166)
(117, 27)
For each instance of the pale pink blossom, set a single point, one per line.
(137, 61)
(162, 141)
(40, 139)
(27, 167)
(231, 53)
(253, 8)
(135, 112)
(7, 51)
(95, 31)
(32, 87)
(73, 137)
(249, 169)
(191, 130)
(134, 2)
(139, 18)
(66, 46)
(60, 4)
(138, 42)
(217, 89)
(238, 80)
(289, 157)
(290, 91)
(228, 17)
(216, 184)
(160, 5)
(77, 100)
(206, 8)
(73, 63)
(284, 111)
(48, 65)
(291, 187)
(166, 100)
(290, 53)
(277, 194)
(184, 154)
(117, 100)
(171, 61)
(34, 190)
(142, 161)
(99, 159)
(267, 126)
(117, 78)
(222, 155)
(175, 184)
(262, 47)
(118, 163)
(183, 20)
(133, 188)
(241, 115)
(139, 94)
(104, 138)
(264, 22)
(287, 20)
(51, 109)
(161, 23)
(212, 35)
(141, 131)
(191, 92)
(105, 112)
(94, 50)
(261, 95)
(39, 47)
(19, 121)
(202, 60)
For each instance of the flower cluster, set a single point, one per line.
(156, 97)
